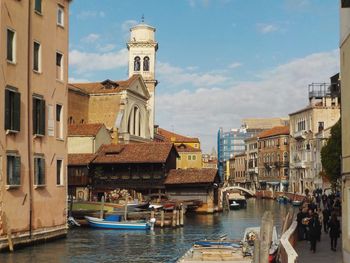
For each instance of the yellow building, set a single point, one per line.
(33, 137)
(187, 147)
(345, 113)
(189, 157)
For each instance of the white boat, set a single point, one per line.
(234, 205)
(111, 224)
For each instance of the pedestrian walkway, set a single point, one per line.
(323, 254)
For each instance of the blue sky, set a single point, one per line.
(218, 60)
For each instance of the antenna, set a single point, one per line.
(143, 18)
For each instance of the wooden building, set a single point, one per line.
(140, 167)
(199, 184)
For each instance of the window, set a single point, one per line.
(37, 57)
(320, 126)
(38, 116)
(60, 15)
(39, 170)
(189, 157)
(59, 66)
(12, 110)
(11, 46)
(13, 170)
(137, 64)
(193, 157)
(59, 172)
(345, 3)
(146, 64)
(37, 6)
(50, 121)
(59, 122)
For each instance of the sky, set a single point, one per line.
(218, 61)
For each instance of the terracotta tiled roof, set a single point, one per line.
(84, 129)
(80, 158)
(278, 130)
(107, 86)
(174, 137)
(186, 148)
(134, 153)
(191, 176)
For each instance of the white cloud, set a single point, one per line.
(177, 76)
(297, 4)
(278, 92)
(235, 65)
(266, 28)
(77, 80)
(127, 24)
(83, 62)
(88, 14)
(106, 47)
(194, 3)
(91, 38)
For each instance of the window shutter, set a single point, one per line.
(7, 110)
(42, 171)
(17, 112)
(36, 171)
(35, 121)
(42, 117)
(17, 171)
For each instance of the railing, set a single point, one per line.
(288, 239)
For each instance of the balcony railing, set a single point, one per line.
(300, 134)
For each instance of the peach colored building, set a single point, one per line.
(33, 95)
(273, 158)
(240, 169)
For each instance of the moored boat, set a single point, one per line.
(113, 223)
(297, 203)
(238, 198)
(234, 205)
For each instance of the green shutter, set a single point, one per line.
(42, 117)
(36, 171)
(17, 112)
(7, 110)
(42, 171)
(35, 121)
(17, 170)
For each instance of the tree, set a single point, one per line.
(331, 155)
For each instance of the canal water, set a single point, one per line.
(161, 245)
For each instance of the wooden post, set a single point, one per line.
(126, 209)
(102, 206)
(182, 215)
(152, 213)
(256, 252)
(173, 223)
(177, 217)
(265, 237)
(162, 218)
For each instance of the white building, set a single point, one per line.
(322, 113)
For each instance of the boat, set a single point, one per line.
(282, 199)
(238, 198)
(113, 222)
(250, 234)
(234, 205)
(297, 203)
(215, 251)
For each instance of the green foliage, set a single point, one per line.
(331, 155)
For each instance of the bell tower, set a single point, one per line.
(142, 48)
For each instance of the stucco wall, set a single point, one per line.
(78, 107)
(184, 162)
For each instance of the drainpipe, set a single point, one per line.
(29, 119)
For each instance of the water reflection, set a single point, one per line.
(161, 245)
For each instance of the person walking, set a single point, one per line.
(334, 231)
(326, 214)
(314, 228)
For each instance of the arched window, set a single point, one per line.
(146, 64)
(285, 157)
(134, 122)
(137, 63)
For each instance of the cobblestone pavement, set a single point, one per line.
(323, 254)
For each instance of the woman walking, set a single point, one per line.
(314, 229)
(334, 231)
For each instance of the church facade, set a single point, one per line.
(125, 107)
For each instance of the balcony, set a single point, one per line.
(300, 165)
(300, 135)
